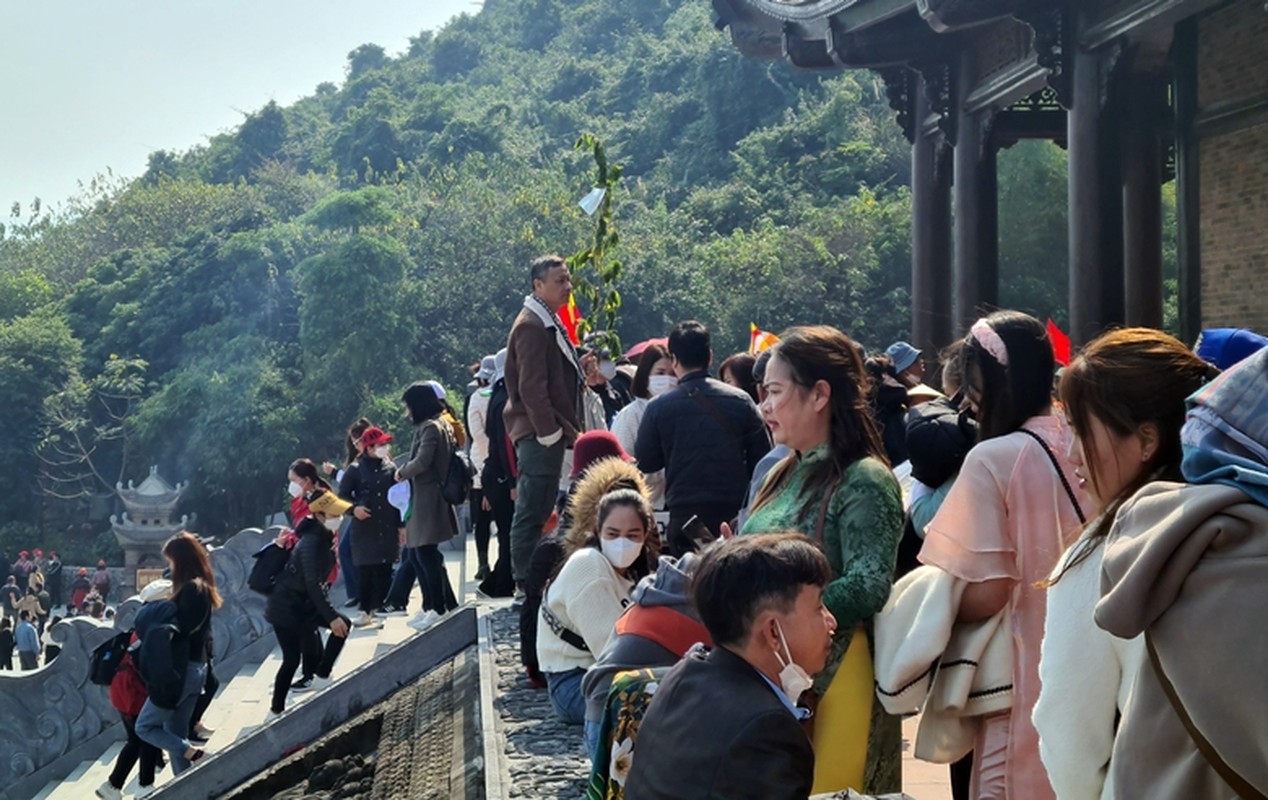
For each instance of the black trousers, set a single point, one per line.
(501, 582)
(373, 582)
(210, 686)
(480, 520)
(293, 640)
(133, 751)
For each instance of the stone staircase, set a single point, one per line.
(242, 703)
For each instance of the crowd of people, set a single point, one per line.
(32, 602)
(738, 586)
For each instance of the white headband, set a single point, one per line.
(990, 341)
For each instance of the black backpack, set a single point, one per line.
(459, 478)
(104, 661)
(269, 563)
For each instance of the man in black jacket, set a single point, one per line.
(706, 435)
(726, 724)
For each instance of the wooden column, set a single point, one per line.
(930, 235)
(976, 265)
(1188, 202)
(1142, 203)
(1084, 197)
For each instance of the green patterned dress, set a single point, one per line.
(861, 532)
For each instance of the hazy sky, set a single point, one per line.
(90, 84)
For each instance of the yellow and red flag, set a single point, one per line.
(760, 340)
(570, 315)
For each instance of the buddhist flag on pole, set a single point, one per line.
(759, 339)
(1060, 344)
(570, 315)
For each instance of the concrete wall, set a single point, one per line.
(1234, 168)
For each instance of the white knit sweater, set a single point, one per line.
(586, 597)
(1086, 676)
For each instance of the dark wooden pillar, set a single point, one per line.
(1087, 267)
(1188, 203)
(976, 265)
(930, 234)
(1142, 203)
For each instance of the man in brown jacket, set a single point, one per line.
(544, 384)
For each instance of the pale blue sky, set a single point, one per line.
(90, 84)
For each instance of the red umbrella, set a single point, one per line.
(637, 350)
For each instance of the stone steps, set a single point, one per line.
(242, 703)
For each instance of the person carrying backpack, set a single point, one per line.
(432, 519)
(101, 580)
(128, 696)
(299, 604)
(178, 652)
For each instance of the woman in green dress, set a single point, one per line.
(837, 489)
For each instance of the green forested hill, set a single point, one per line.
(241, 302)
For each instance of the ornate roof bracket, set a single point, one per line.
(940, 92)
(949, 15)
(900, 84)
(1053, 46)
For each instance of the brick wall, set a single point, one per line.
(1231, 44)
(1234, 171)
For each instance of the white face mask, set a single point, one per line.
(295, 489)
(382, 452)
(659, 384)
(621, 551)
(332, 523)
(792, 678)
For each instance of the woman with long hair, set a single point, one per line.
(654, 376)
(836, 488)
(343, 547)
(1012, 511)
(431, 520)
(1124, 398)
(606, 557)
(737, 371)
(194, 593)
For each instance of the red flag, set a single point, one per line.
(570, 315)
(1060, 344)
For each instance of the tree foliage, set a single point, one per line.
(261, 290)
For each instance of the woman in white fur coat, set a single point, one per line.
(1124, 397)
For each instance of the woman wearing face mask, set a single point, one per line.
(376, 523)
(583, 601)
(837, 489)
(1124, 397)
(431, 520)
(304, 479)
(298, 603)
(654, 377)
(1013, 509)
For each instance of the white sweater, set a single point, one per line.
(586, 598)
(477, 428)
(1086, 676)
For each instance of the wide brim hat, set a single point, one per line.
(329, 504)
(902, 355)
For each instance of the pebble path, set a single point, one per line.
(546, 758)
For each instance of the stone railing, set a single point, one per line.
(54, 718)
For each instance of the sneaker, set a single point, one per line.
(391, 610)
(203, 732)
(272, 715)
(320, 683)
(362, 620)
(108, 792)
(518, 599)
(424, 620)
(143, 791)
(352, 603)
(302, 685)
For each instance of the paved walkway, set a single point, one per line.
(546, 758)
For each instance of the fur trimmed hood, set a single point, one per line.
(603, 476)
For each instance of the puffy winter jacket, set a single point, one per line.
(299, 597)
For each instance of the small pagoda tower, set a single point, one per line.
(147, 521)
